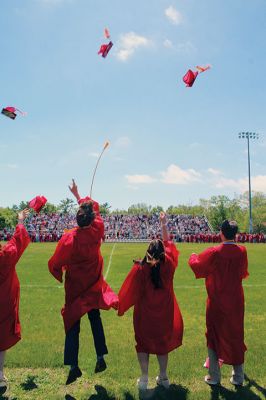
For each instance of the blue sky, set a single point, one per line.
(169, 144)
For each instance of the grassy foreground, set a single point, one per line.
(34, 366)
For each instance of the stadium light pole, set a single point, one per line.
(249, 136)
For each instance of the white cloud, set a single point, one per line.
(173, 15)
(182, 47)
(135, 179)
(186, 47)
(123, 142)
(168, 43)
(195, 145)
(178, 176)
(214, 171)
(129, 43)
(227, 182)
(262, 143)
(258, 183)
(12, 166)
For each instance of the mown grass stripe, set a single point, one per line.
(116, 287)
(110, 261)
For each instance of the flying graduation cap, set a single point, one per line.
(37, 203)
(11, 112)
(190, 77)
(106, 33)
(105, 48)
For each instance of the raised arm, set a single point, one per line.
(204, 263)
(74, 190)
(164, 228)
(14, 249)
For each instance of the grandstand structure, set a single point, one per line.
(118, 227)
(129, 228)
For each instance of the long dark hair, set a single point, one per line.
(156, 250)
(85, 214)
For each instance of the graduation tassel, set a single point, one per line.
(96, 166)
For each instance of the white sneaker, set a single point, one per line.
(232, 380)
(142, 384)
(208, 379)
(3, 381)
(163, 382)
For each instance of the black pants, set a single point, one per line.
(72, 339)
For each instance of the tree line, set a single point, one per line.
(216, 209)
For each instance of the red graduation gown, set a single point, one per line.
(158, 323)
(223, 268)
(78, 253)
(10, 331)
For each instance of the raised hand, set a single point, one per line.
(74, 189)
(163, 218)
(23, 214)
(164, 226)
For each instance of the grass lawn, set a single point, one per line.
(35, 365)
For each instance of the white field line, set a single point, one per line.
(110, 261)
(117, 287)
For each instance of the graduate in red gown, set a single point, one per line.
(158, 323)
(78, 254)
(10, 330)
(224, 267)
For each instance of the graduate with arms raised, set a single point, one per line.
(224, 267)
(158, 323)
(10, 330)
(78, 254)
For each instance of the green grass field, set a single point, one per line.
(35, 365)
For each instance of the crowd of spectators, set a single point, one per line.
(146, 227)
(122, 227)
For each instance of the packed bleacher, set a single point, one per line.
(122, 227)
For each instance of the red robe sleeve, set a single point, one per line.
(203, 264)
(61, 257)
(98, 227)
(14, 249)
(131, 289)
(245, 273)
(96, 207)
(171, 252)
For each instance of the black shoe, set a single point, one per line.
(100, 366)
(73, 375)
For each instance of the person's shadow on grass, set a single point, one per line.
(101, 394)
(174, 392)
(29, 384)
(240, 393)
(3, 391)
(251, 382)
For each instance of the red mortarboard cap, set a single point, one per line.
(106, 33)
(9, 112)
(190, 77)
(105, 48)
(37, 203)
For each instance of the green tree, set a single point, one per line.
(67, 206)
(49, 208)
(139, 208)
(156, 210)
(8, 218)
(105, 209)
(21, 206)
